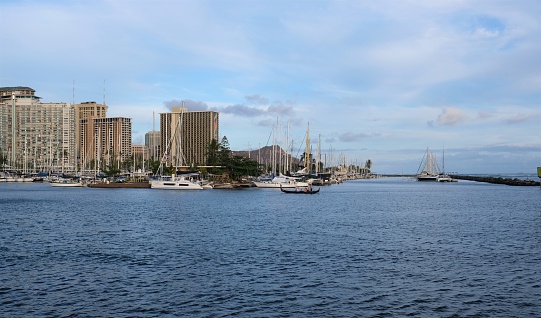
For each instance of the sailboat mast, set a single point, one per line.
(307, 150)
(274, 136)
(318, 153)
(443, 160)
(286, 149)
(291, 156)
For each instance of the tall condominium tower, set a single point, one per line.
(36, 136)
(185, 136)
(152, 141)
(86, 110)
(90, 110)
(105, 142)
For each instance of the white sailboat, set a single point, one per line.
(174, 181)
(444, 177)
(428, 169)
(280, 181)
(66, 183)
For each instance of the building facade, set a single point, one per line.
(185, 136)
(105, 142)
(36, 136)
(152, 142)
(86, 110)
(90, 110)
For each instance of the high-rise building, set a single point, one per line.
(185, 136)
(86, 110)
(152, 141)
(90, 110)
(105, 142)
(36, 136)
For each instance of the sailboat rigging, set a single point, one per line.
(428, 169)
(175, 181)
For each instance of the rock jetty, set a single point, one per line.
(498, 180)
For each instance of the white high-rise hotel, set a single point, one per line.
(36, 136)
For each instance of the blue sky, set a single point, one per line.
(379, 80)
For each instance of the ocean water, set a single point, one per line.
(367, 248)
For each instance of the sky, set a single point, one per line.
(374, 80)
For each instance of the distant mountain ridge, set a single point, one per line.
(264, 154)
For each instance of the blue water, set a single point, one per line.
(367, 248)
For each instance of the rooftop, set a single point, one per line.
(16, 88)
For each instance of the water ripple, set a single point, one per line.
(377, 248)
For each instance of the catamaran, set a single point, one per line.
(175, 182)
(444, 177)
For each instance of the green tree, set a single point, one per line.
(3, 158)
(212, 153)
(224, 152)
(238, 167)
(111, 171)
(154, 166)
(311, 162)
(368, 164)
(220, 156)
(127, 165)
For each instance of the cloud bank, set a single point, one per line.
(354, 70)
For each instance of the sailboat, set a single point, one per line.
(428, 169)
(66, 183)
(174, 181)
(444, 177)
(281, 180)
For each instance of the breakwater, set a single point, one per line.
(498, 180)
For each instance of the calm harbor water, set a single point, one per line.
(367, 248)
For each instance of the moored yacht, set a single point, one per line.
(66, 183)
(428, 170)
(174, 182)
(280, 182)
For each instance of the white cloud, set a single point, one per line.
(452, 116)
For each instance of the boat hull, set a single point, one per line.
(280, 182)
(175, 185)
(16, 179)
(445, 179)
(300, 191)
(273, 185)
(118, 185)
(66, 184)
(427, 178)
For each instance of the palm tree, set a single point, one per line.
(368, 164)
